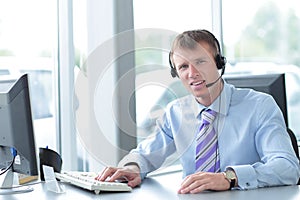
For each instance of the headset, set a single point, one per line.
(219, 59)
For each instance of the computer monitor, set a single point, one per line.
(16, 129)
(273, 84)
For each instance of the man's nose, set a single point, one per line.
(193, 71)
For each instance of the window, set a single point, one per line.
(266, 40)
(28, 41)
(152, 70)
(156, 24)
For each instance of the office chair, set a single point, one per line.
(295, 145)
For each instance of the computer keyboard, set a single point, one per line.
(86, 180)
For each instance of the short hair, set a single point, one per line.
(190, 39)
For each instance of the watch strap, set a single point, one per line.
(232, 183)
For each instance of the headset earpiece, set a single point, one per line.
(174, 73)
(220, 61)
(173, 70)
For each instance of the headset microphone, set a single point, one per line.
(211, 84)
(222, 72)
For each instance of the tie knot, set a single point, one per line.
(208, 116)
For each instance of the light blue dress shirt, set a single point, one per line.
(252, 138)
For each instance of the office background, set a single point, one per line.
(53, 40)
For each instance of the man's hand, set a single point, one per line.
(130, 173)
(202, 181)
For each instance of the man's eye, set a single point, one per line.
(183, 66)
(199, 62)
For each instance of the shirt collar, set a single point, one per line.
(220, 105)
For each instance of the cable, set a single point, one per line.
(16, 189)
(23, 185)
(217, 127)
(14, 154)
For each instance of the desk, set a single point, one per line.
(160, 187)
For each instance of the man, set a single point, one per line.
(248, 145)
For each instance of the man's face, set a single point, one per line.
(196, 68)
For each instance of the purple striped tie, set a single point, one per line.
(207, 155)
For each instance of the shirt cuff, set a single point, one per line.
(246, 176)
(134, 158)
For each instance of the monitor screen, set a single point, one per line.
(273, 84)
(16, 132)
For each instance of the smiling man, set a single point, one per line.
(226, 137)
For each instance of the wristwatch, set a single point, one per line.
(231, 177)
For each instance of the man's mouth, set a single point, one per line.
(197, 83)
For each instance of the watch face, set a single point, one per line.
(230, 175)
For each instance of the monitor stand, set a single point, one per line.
(7, 184)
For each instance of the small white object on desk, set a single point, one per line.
(51, 182)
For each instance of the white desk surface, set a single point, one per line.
(160, 187)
